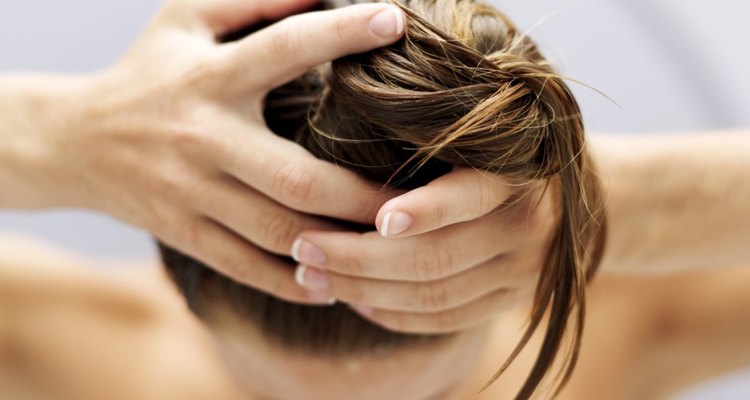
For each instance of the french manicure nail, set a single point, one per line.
(395, 222)
(311, 278)
(307, 253)
(388, 23)
(321, 298)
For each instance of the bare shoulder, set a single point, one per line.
(37, 274)
(88, 331)
(645, 333)
(617, 325)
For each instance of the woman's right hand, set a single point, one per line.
(172, 139)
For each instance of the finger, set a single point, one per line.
(237, 259)
(255, 217)
(456, 319)
(499, 273)
(291, 176)
(459, 196)
(222, 16)
(285, 50)
(427, 257)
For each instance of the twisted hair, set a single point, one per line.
(463, 88)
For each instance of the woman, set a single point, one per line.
(551, 162)
(70, 329)
(463, 89)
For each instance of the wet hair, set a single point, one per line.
(463, 88)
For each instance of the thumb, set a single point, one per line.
(462, 195)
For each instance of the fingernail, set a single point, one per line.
(395, 222)
(363, 310)
(311, 278)
(305, 252)
(388, 24)
(321, 298)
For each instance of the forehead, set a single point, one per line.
(268, 372)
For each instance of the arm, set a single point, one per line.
(172, 139)
(673, 202)
(680, 201)
(33, 108)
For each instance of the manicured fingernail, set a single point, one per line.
(395, 222)
(363, 310)
(311, 278)
(307, 253)
(388, 24)
(321, 298)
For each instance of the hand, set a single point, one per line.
(173, 139)
(449, 255)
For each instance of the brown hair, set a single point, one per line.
(463, 88)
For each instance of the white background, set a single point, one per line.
(669, 65)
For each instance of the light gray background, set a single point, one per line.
(670, 65)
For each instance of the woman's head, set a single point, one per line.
(268, 368)
(463, 88)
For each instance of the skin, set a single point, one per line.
(139, 338)
(675, 202)
(262, 368)
(212, 181)
(180, 117)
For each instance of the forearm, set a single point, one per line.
(35, 111)
(676, 202)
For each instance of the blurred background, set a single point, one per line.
(669, 65)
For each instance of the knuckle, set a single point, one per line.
(278, 231)
(485, 198)
(340, 29)
(440, 212)
(205, 71)
(433, 296)
(174, 183)
(354, 264)
(286, 38)
(187, 131)
(293, 184)
(434, 263)
(188, 136)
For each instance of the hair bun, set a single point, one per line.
(494, 106)
(464, 88)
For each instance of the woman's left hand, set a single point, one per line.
(448, 256)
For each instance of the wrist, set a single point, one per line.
(37, 116)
